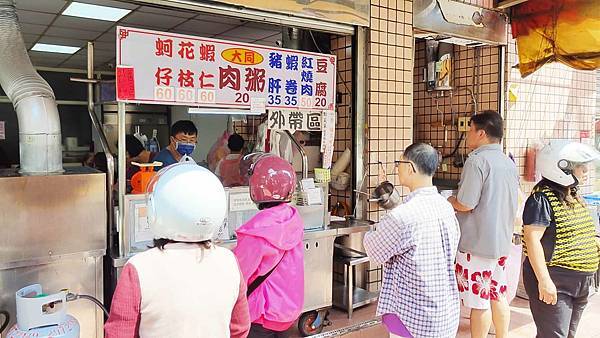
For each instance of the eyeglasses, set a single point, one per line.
(397, 164)
(186, 140)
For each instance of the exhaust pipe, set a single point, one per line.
(39, 124)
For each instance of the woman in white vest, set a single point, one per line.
(185, 286)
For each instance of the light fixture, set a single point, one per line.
(219, 111)
(90, 11)
(45, 47)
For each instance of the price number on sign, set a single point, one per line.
(164, 93)
(306, 102)
(185, 95)
(320, 102)
(206, 96)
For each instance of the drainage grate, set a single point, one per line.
(348, 329)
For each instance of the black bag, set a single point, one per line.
(260, 279)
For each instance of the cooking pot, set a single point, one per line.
(387, 196)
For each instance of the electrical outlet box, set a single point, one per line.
(463, 123)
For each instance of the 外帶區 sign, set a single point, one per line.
(293, 120)
(166, 68)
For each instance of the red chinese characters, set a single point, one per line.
(321, 65)
(229, 77)
(255, 79)
(186, 50)
(204, 80)
(207, 53)
(164, 47)
(321, 89)
(236, 57)
(163, 76)
(185, 79)
(249, 57)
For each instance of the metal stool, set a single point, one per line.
(347, 296)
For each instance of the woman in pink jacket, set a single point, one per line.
(270, 250)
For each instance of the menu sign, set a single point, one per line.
(166, 68)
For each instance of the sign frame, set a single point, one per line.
(129, 95)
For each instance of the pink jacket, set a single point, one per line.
(262, 242)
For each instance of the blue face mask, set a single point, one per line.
(185, 148)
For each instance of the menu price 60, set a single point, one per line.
(184, 95)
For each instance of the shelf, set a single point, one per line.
(360, 296)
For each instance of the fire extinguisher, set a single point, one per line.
(530, 156)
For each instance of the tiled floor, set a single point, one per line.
(521, 325)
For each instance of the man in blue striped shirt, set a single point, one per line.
(417, 242)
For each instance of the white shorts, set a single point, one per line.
(480, 280)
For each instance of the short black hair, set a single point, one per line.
(133, 146)
(235, 142)
(491, 122)
(100, 162)
(425, 158)
(184, 126)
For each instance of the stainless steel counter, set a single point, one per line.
(318, 260)
(336, 229)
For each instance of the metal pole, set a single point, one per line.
(359, 112)
(110, 160)
(121, 171)
(302, 154)
(502, 86)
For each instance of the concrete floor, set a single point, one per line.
(521, 324)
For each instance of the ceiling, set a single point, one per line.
(42, 22)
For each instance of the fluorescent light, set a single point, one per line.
(44, 47)
(219, 111)
(95, 12)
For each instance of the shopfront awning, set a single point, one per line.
(566, 31)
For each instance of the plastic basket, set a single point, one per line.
(322, 175)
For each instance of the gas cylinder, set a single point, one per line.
(139, 181)
(530, 156)
(43, 316)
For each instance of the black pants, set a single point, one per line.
(560, 320)
(258, 331)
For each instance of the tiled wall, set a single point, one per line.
(390, 94)
(473, 71)
(390, 99)
(554, 102)
(342, 48)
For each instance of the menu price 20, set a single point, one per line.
(165, 68)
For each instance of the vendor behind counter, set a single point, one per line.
(228, 168)
(184, 136)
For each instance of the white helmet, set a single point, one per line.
(557, 159)
(186, 203)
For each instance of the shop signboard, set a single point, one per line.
(172, 69)
(293, 120)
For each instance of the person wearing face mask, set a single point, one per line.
(184, 136)
(561, 248)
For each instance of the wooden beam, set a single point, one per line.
(504, 4)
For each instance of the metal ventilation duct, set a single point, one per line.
(459, 23)
(33, 99)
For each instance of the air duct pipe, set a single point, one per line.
(32, 98)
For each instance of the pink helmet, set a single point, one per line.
(271, 178)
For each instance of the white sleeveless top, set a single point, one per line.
(186, 291)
